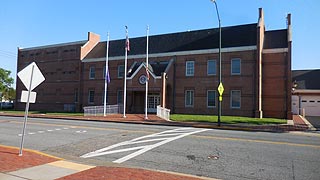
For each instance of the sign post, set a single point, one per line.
(31, 77)
(220, 90)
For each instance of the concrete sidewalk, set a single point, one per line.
(36, 165)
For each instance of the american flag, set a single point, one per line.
(127, 40)
(147, 71)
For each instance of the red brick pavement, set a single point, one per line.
(116, 173)
(11, 161)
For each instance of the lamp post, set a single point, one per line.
(220, 81)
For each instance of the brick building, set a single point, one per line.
(256, 72)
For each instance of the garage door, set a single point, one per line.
(311, 104)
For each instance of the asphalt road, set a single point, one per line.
(205, 152)
(315, 121)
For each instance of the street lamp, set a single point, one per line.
(220, 87)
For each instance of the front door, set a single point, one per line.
(153, 102)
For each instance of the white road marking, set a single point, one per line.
(81, 131)
(167, 136)
(49, 130)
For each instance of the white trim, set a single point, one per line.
(307, 91)
(92, 69)
(232, 73)
(215, 95)
(118, 71)
(215, 65)
(186, 73)
(138, 69)
(276, 50)
(179, 53)
(54, 45)
(185, 98)
(232, 107)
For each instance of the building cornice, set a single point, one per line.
(54, 45)
(178, 53)
(306, 91)
(276, 50)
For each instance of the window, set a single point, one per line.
(92, 72)
(235, 66)
(189, 98)
(91, 96)
(189, 68)
(235, 99)
(120, 97)
(211, 67)
(211, 98)
(120, 71)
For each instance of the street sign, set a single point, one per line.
(24, 97)
(31, 77)
(220, 89)
(25, 74)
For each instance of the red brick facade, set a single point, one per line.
(263, 81)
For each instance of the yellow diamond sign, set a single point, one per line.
(220, 89)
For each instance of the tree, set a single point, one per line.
(5, 84)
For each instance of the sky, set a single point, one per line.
(31, 23)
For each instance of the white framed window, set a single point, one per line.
(235, 99)
(189, 68)
(235, 66)
(92, 72)
(212, 67)
(211, 98)
(189, 98)
(120, 71)
(120, 97)
(91, 97)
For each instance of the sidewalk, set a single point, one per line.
(298, 124)
(36, 165)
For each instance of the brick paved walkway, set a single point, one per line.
(11, 161)
(36, 165)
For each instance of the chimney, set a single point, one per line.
(93, 40)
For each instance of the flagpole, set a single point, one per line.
(105, 77)
(147, 69)
(125, 74)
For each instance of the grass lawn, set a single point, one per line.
(226, 119)
(42, 112)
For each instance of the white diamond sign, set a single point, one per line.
(31, 73)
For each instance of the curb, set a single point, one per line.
(310, 126)
(73, 168)
(32, 151)
(254, 128)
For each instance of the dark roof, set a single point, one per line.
(306, 79)
(233, 36)
(275, 39)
